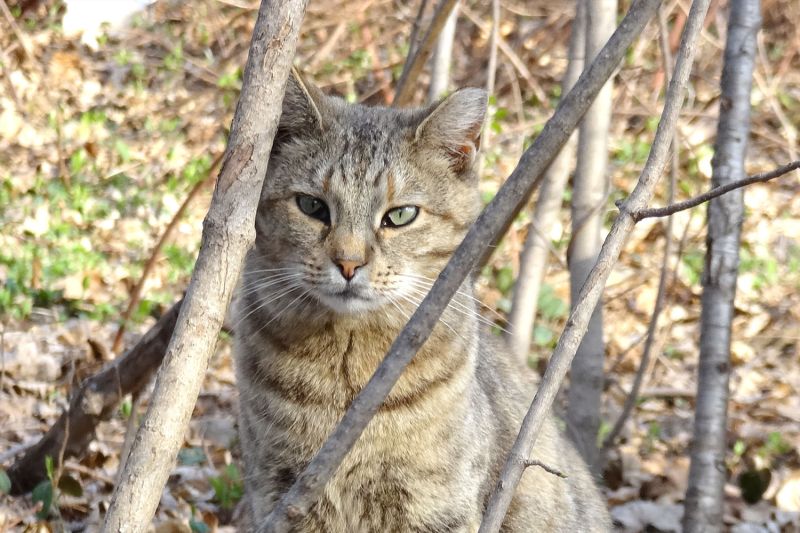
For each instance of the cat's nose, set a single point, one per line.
(348, 268)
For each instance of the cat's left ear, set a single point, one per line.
(455, 125)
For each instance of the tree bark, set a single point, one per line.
(589, 194)
(296, 503)
(704, 495)
(228, 232)
(442, 57)
(533, 259)
(593, 288)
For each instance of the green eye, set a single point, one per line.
(400, 216)
(314, 207)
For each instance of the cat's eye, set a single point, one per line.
(400, 216)
(314, 207)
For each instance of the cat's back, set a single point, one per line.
(543, 501)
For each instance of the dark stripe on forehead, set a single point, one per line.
(326, 179)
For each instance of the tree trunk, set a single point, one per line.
(442, 57)
(228, 232)
(704, 495)
(588, 198)
(533, 260)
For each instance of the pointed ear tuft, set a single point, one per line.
(303, 108)
(454, 125)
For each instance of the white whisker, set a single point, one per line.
(427, 283)
(262, 304)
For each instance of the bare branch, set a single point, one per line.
(511, 55)
(94, 401)
(652, 326)
(593, 288)
(715, 192)
(228, 232)
(414, 37)
(413, 67)
(442, 57)
(136, 293)
(511, 196)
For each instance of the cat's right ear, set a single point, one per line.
(303, 108)
(454, 126)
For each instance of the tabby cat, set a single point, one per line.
(361, 209)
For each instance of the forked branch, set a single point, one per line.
(715, 192)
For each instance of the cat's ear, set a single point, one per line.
(304, 107)
(454, 125)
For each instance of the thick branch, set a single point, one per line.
(593, 288)
(95, 401)
(715, 192)
(228, 232)
(308, 486)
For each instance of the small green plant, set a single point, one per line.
(775, 446)
(551, 306)
(228, 487)
(44, 492)
(125, 409)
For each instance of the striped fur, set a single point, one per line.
(307, 340)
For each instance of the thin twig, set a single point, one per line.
(514, 193)
(406, 84)
(652, 326)
(546, 468)
(414, 37)
(22, 38)
(593, 288)
(513, 58)
(136, 293)
(715, 192)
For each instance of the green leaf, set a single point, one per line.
(43, 492)
(542, 335)
(70, 485)
(5, 482)
(48, 467)
(504, 279)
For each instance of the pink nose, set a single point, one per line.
(348, 268)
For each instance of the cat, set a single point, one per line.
(361, 209)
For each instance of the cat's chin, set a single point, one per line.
(348, 304)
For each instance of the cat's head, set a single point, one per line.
(363, 206)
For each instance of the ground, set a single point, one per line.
(102, 141)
